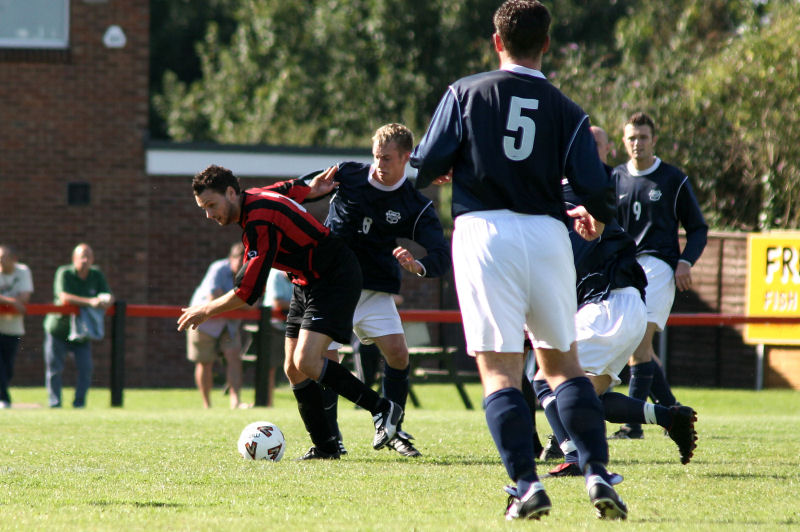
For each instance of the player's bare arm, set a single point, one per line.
(683, 276)
(93, 302)
(407, 260)
(323, 183)
(197, 314)
(18, 302)
(586, 225)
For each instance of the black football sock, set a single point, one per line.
(371, 358)
(510, 425)
(330, 402)
(335, 376)
(309, 403)
(581, 413)
(548, 401)
(660, 390)
(395, 385)
(530, 399)
(620, 408)
(639, 387)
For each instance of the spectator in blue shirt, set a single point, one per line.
(218, 336)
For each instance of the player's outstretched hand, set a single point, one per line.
(322, 183)
(192, 317)
(444, 179)
(683, 276)
(585, 224)
(406, 260)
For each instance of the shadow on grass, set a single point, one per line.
(720, 522)
(792, 475)
(138, 504)
(428, 461)
(626, 461)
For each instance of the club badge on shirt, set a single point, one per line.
(392, 216)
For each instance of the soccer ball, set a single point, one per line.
(262, 440)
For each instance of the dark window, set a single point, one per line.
(78, 193)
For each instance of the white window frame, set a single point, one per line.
(49, 43)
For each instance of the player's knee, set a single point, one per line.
(293, 374)
(289, 367)
(643, 353)
(398, 359)
(308, 363)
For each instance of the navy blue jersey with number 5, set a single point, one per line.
(509, 137)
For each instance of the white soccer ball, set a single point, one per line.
(262, 440)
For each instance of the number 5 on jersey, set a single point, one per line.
(520, 148)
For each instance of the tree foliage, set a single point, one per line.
(327, 72)
(719, 77)
(720, 80)
(177, 26)
(750, 92)
(323, 72)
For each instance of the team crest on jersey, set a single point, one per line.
(655, 195)
(392, 217)
(252, 254)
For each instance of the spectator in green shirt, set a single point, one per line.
(83, 285)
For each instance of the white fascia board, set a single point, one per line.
(177, 162)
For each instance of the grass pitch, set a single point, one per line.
(163, 463)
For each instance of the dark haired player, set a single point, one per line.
(373, 206)
(507, 137)
(278, 232)
(653, 199)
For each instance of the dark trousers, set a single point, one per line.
(8, 352)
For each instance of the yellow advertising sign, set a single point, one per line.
(773, 286)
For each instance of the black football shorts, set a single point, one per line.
(326, 305)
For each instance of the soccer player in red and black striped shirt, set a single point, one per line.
(278, 232)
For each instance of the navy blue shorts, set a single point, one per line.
(326, 305)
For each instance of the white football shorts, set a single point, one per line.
(513, 270)
(609, 331)
(376, 315)
(660, 290)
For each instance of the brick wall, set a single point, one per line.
(714, 356)
(78, 115)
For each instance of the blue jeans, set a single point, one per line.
(8, 351)
(55, 351)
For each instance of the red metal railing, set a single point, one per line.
(429, 316)
(120, 311)
(135, 311)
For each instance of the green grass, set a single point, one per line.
(163, 463)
